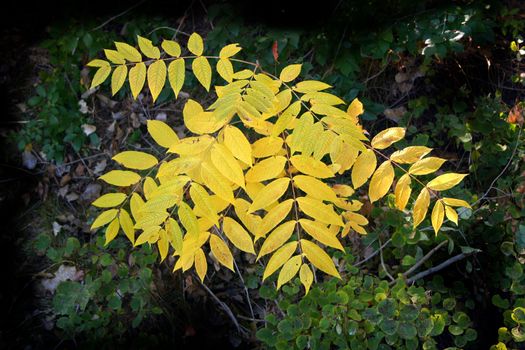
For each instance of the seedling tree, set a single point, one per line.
(260, 171)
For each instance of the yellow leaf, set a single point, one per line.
(363, 168)
(321, 233)
(251, 221)
(279, 258)
(229, 50)
(122, 178)
(310, 166)
(109, 200)
(445, 181)
(97, 63)
(171, 47)
(354, 110)
(118, 78)
(147, 48)
(163, 245)
(452, 215)
(307, 277)
(225, 69)
(286, 118)
(269, 194)
(149, 186)
(319, 258)
(342, 153)
(104, 218)
(289, 270)
(156, 78)
(201, 265)
(437, 216)
(421, 206)
(135, 160)
(409, 154)
(277, 238)
(238, 145)
(426, 166)
(274, 218)
(195, 44)
(237, 235)
(112, 230)
(137, 78)
(150, 219)
(454, 202)
(290, 72)
(387, 137)
(306, 86)
(381, 181)
(227, 165)
(174, 233)
(198, 121)
(129, 52)
(162, 133)
(319, 211)
(176, 75)
(191, 146)
(188, 219)
(202, 70)
(403, 191)
(127, 225)
(267, 146)
(201, 198)
(266, 169)
(221, 251)
(323, 98)
(100, 76)
(216, 182)
(136, 203)
(150, 235)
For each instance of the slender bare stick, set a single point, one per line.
(374, 253)
(423, 259)
(383, 264)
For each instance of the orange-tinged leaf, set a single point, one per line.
(162, 133)
(403, 191)
(421, 206)
(319, 211)
(290, 72)
(274, 217)
(410, 154)
(122, 178)
(310, 166)
(156, 78)
(387, 137)
(135, 160)
(451, 213)
(354, 110)
(104, 218)
(238, 144)
(319, 258)
(127, 225)
(269, 194)
(201, 265)
(438, 213)
(289, 270)
(237, 235)
(137, 78)
(109, 200)
(445, 181)
(426, 166)
(279, 258)
(112, 230)
(266, 169)
(221, 251)
(321, 233)
(176, 75)
(226, 164)
(363, 168)
(307, 277)
(277, 238)
(381, 181)
(454, 202)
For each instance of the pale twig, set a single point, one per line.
(423, 259)
(383, 263)
(373, 254)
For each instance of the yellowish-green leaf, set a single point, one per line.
(454, 202)
(188, 219)
(135, 160)
(226, 164)
(421, 207)
(162, 133)
(321, 233)
(238, 144)
(277, 238)
(307, 277)
(354, 110)
(426, 166)
(319, 258)
(387, 137)
(229, 50)
(286, 118)
(403, 191)
(174, 233)
(114, 56)
(289, 270)
(310, 166)
(109, 200)
(129, 52)
(381, 181)
(237, 235)
(445, 181)
(127, 225)
(201, 198)
(151, 219)
(195, 44)
(100, 76)
(122, 178)
(319, 211)
(306, 86)
(176, 75)
(269, 194)
(97, 63)
(279, 258)
(112, 230)
(266, 169)
(410, 154)
(104, 218)
(118, 78)
(171, 47)
(221, 251)
(451, 213)
(290, 72)
(438, 213)
(201, 265)
(267, 146)
(363, 168)
(274, 218)
(225, 69)
(147, 48)
(156, 78)
(217, 183)
(137, 78)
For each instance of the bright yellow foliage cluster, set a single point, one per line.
(259, 173)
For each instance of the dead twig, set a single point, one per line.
(423, 259)
(383, 264)
(374, 253)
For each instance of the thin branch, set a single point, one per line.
(119, 15)
(423, 259)
(383, 264)
(374, 253)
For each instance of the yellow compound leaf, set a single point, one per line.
(188, 219)
(112, 230)
(319, 258)
(421, 206)
(277, 238)
(135, 160)
(137, 78)
(225, 69)
(306, 86)
(451, 213)
(100, 76)
(310, 166)
(195, 44)
(226, 164)
(136, 203)
(426, 166)
(269, 194)
(202, 70)
(201, 265)
(354, 110)
(114, 56)
(454, 202)
(122, 178)
(163, 245)
(221, 251)
(319, 211)
(216, 182)
(176, 75)
(403, 191)
(445, 181)
(129, 52)
(315, 188)
(127, 225)
(321, 233)
(147, 48)
(363, 168)
(387, 137)
(171, 47)
(230, 50)
(289, 270)
(279, 258)
(162, 133)
(104, 218)
(266, 169)
(201, 198)
(381, 181)
(156, 78)
(118, 78)
(409, 154)
(307, 277)
(290, 72)
(238, 144)
(109, 200)
(274, 218)
(237, 235)
(267, 146)
(438, 213)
